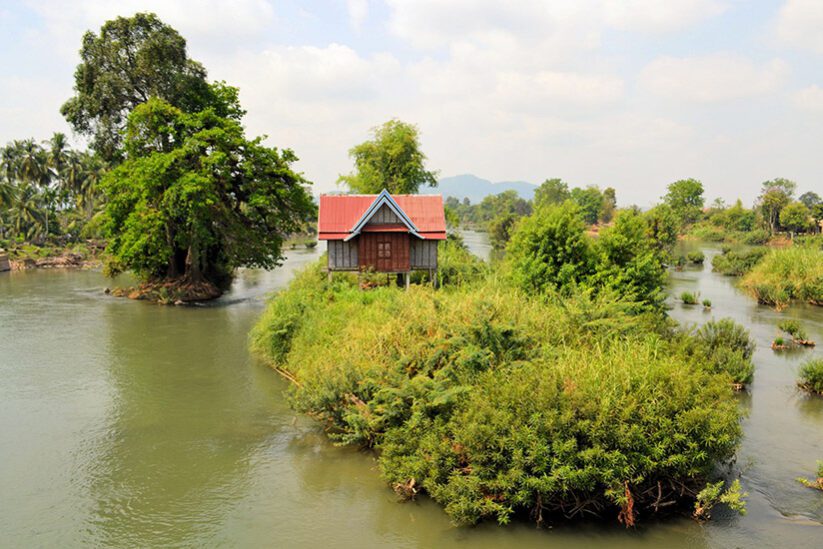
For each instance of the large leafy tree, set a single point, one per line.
(796, 217)
(590, 201)
(685, 198)
(551, 191)
(194, 198)
(549, 250)
(776, 194)
(131, 60)
(391, 160)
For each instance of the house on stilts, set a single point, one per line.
(382, 233)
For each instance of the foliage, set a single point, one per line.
(500, 230)
(817, 484)
(498, 404)
(696, 257)
(685, 198)
(609, 207)
(551, 191)
(662, 228)
(776, 194)
(47, 190)
(590, 201)
(131, 60)
(688, 298)
(737, 263)
(724, 347)
(707, 303)
(811, 376)
(810, 199)
(793, 328)
(549, 251)
(796, 217)
(713, 493)
(628, 263)
(787, 274)
(392, 160)
(456, 265)
(196, 199)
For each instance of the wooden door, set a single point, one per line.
(384, 252)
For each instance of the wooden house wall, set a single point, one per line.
(371, 257)
(343, 255)
(423, 254)
(384, 216)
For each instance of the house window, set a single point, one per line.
(384, 250)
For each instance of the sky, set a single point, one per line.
(632, 94)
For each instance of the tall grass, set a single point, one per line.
(787, 274)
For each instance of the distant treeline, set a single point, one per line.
(682, 208)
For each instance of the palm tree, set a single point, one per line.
(27, 214)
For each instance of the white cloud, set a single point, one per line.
(810, 98)
(800, 24)
(358, 11)
(657, 15)
(712, 78)
(207, 24)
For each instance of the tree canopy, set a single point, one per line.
(776, 194)
(551, 191)
(194, 198)
(131, 60)
(392, 160)
(685, 198)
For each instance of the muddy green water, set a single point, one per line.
(126, 424)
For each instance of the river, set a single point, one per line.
(127, 424)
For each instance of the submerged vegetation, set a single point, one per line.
(548, 387)
(785, 275)
(737, 262)
(817, 483)
(811, 376)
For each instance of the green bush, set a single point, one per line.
(723, 346)
(811, 376)
(707, 232)
(549, 252)
(756, 237)
(499, 404)
(737, 263)
(707, 303)
(696, 258)
(787, 274)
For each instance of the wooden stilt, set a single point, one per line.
(408, 278)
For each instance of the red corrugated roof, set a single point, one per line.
(339, 213)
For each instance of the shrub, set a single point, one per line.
(688, 298)
(724, 346)
(811, 376)
(713, 494)
(779, 342)
(548, 250)
(498, 404)
(793, 328)
(707, 303)
(708, 233)
(696, 258)
(785, 275)
(756, 237)
(732, 263)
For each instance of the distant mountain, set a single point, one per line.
(475, 188)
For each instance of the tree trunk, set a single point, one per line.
(193, 271)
